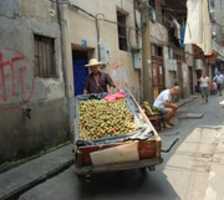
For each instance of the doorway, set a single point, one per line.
(191, 79)
(158, 75)
(198, 76)
(80, 72)
(180, 77)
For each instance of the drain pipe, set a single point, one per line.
(98, 38)
(95, 17)
(98, 34)
(69, 97)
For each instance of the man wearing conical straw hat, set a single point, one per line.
(97, 81)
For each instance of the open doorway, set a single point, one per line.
(180, 77)
(158, 73)
(80, 72)
(191, 79)
(80, 58)
(158, 70)
(198, 76)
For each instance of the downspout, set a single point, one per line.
(140, 79)
(69, 98)
(98, 36)
(136, 24)
(95, 17)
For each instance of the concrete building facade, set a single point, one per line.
(44, 49)
(32, 90)
(93, 31)
(178, 61)
(217, 19)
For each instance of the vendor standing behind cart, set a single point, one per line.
(97, 81)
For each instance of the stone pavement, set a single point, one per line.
(199, 162)
(22, 178)
(199, 158)
(193, 170)
(185, 101)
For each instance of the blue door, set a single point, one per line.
(80, 72)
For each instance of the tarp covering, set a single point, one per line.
(198, 30)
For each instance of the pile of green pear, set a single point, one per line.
(99, 119)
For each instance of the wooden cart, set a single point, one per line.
(141, 149)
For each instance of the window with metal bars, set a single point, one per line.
(152, 3)
(122, 30)
(44, 50)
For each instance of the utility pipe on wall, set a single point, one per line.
(95, 17)
(98, 35)
(64, 52)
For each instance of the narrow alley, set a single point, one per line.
(111, 99)
(192, 171)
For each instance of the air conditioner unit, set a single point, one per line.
(105, 53)
(136, 58)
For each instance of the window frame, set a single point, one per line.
(122, 27)
(49, 49)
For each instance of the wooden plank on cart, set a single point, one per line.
(119, 154)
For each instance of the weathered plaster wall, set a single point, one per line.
(158, 33)
(170, 68)
(191, 62)
(82, 27)
(186, 81)
(219, 18)
(19, 89)
(159, 36)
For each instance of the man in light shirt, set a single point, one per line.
(204, 85)
(219, 79)
(165, 106)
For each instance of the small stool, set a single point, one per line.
(156, 121)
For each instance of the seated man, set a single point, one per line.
(164, 104)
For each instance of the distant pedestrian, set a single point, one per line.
(219, 79)
(204, 87)
(214, 88)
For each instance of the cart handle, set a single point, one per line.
(171, 146)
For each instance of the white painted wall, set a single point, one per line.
(17, 37)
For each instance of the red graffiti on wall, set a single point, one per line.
(16, 79)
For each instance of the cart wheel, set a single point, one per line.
(143, 170)
(152, 168)
(85, 178)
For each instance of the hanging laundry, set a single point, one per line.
(182, 35)
(177, 28)
(198, 30)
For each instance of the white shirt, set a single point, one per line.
(162, 99)
(219, 79)
(204, 81)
